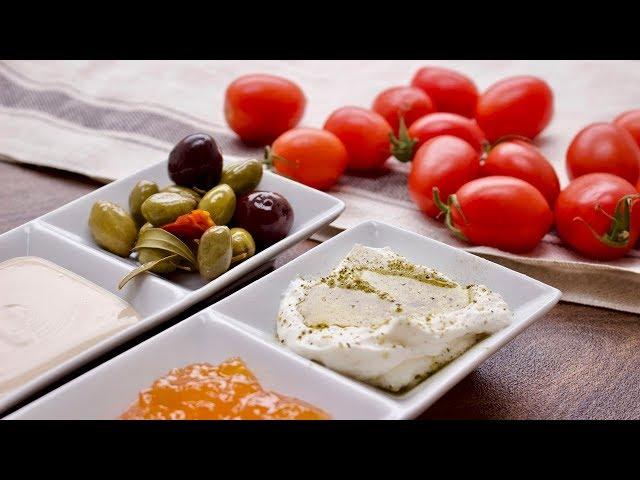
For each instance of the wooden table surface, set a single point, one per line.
(577, 362)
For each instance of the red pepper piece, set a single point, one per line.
(190, 226)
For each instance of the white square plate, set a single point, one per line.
(250, 314)
(108, 390)
(63, 237)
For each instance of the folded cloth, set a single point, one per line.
(107, 119)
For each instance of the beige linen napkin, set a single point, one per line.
(107, 119)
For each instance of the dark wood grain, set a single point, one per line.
(577, 362)
(27, 192)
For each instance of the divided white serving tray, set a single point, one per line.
(243, 325)
(63, 237)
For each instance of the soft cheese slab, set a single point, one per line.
(49, 314)
(383, 320)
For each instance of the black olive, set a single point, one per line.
(196, 161)
(268, 216)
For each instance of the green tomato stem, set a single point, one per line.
(618, 234)
(446, 209)
(402, 146)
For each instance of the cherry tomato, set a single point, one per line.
(309, 155)
(446, 162)
(500, 212)
(638, 189)
(523, 160)
(598, 216)
(603, 147)
(365, 135)
(410, 103)
(520, 105)
(434, 125)
(630, 121)
(449, 90)
(261, 107)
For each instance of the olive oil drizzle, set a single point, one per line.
(351, 278)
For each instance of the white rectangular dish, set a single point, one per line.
(63, 237)
(243, 324)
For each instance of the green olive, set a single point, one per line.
(141, 191)
(112, 228)
(151, 254)
(220, 202)
(214, 252)
(144, 227)
(242, 245)
(242, 177)
(187, 192)
(162, 208)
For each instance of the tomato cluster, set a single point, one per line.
(595, 213)
(473, 162)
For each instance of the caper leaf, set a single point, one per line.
(143, 268)
(163, 240)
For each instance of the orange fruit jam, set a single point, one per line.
(227, 392)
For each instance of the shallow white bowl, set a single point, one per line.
(63, 237)
(243, 324)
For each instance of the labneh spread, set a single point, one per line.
(384, 320)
